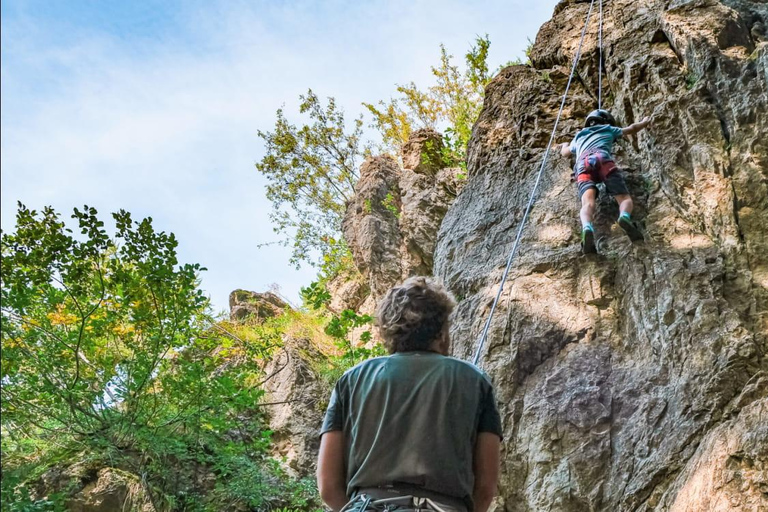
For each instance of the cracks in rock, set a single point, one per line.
(711, 97)
(534, 352)
(586, 88)
(739, 230)
(668, 471)
(656, 309)
(664, 479)
(728, 172)
(661, 37)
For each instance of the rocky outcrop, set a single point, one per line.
(112, 490)
(371, 223)
(391, 223)
(295, 402)
(294, 393)
(634, 380)
(347, 291)
(92, 488)
(255, 307)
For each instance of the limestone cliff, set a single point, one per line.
(637, 379)
(392, 222)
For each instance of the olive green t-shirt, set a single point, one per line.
(412, 418)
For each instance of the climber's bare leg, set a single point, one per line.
(588, 206)
(625, 203)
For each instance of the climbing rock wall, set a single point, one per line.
(636, 379)
(391, 224)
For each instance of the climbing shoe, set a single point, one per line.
(630, 228)
(588, 242)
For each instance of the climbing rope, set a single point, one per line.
(535, 187)
(600, 61)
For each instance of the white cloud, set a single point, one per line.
(166, 126)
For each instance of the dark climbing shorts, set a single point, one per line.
(597, 169)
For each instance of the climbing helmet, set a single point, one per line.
(599, 116)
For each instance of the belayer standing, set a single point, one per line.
(415, 430)
(593, 148)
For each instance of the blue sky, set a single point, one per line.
(153, 106)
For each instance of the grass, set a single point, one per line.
(691, 79)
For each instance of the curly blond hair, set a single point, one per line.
(413, 314)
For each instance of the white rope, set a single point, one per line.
(533, 192)
(600, 62)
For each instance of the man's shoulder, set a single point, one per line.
(467, 368)
(365, 366)
(459, 367)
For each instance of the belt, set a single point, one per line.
(411, 497)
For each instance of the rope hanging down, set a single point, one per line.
(600, 61)
(535, 188)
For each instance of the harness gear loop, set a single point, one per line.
(484, 335)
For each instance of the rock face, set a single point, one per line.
(295, 396)
(636, 380)
(297, 400)
(112, 490)
(94, 489)
(371, 223)
(392, 222)
(254, 306)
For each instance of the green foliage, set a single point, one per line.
(453, 101)
(337, 260)
(691, 79)
(315, 295)
(259, 484)
(107, 348)
(339, 326)
(90, 323)
(16, 498)
(390, 203)
(311, 172)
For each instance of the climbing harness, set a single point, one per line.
(406, 503)
(484, 335)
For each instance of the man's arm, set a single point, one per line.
(331, 480)
(565, 149)
(636, 127)
(486, 469)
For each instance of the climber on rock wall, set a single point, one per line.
(416, 430)
(593, 147)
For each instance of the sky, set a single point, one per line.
(153, 106)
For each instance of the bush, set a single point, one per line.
(108, 348)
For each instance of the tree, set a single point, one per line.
(452, 104)
(312, 169)
(311, 172)
(107, 346)
(87, 322)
